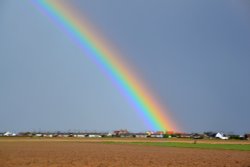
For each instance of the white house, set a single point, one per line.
(221, 136)
(9, 134)
(79, 135)
(157, 135)
(94, 135)
(38, 135)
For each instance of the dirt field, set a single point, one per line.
(82, 153)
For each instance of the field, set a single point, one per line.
(72, 152)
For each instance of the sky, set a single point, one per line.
(193, 55)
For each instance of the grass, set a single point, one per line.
(245, 146)
(241, 147)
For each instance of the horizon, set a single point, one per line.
(110, 131)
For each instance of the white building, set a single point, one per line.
(9, 134)
(221, 136)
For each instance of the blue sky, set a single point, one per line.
(194, 55)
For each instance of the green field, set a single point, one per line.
(241, 147)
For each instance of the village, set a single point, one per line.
(123, 133)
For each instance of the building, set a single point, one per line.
(9, 134)
(221, 136)
(185, 135)
(79, 135)
(141, 135)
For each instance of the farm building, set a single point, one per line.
(157, 136)
(120, 132)
(221, 136)
(79, 135)
(94, 136)
(9, 134)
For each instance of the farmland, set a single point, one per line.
(60, 152)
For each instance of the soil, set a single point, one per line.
(72, 153)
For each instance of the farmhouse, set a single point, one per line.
(122, 132)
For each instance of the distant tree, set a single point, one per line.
(234, 137)
(166, 136)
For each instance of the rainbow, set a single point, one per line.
(107, 59)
